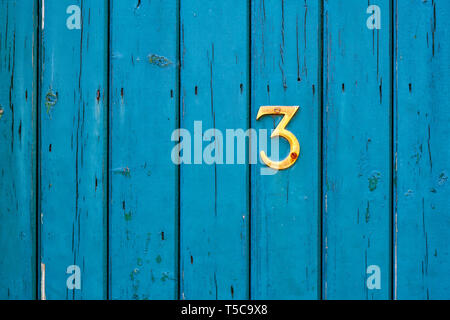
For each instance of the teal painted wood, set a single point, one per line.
(243, 234)
(356, 148)
(214, 205)
(285, 221)
(18, 149)
(72, 155)
(422, 136)
(143, 199)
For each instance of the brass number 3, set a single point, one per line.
(280, 131)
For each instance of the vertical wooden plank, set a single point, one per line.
(143, 199)
(285, 222)
(72, 148)
(356, 168)
(18, 149)
(422, 133)
(214, 205)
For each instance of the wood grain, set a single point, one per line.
(18, 67)
(214, 204)
(422, 133)
(72, 153)
(356, 145)
(143, 196)
(285, 216)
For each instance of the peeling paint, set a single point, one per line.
(43, 14)
(50, 100)
(133, 273)
(122, 171)
(43, 297)
(373, 181)
(128, 216)
(159, 61)
(164, 277)
(442, 179)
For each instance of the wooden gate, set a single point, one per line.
(94, 207)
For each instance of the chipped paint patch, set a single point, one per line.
(128, 216)
(165, 276)
(442, 179)
(50, 100)
(159, 61)
(122, 171)
(1, 112)
(43, 297)
(134, 273)
(373, 181)
(43, 14)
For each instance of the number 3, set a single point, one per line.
(280, 131)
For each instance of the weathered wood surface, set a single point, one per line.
(18, 67)
(422, 153)
(86, 173)
(285, 207)
(356, 145)
(72, 149)
(214, 205)
(143, 191)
